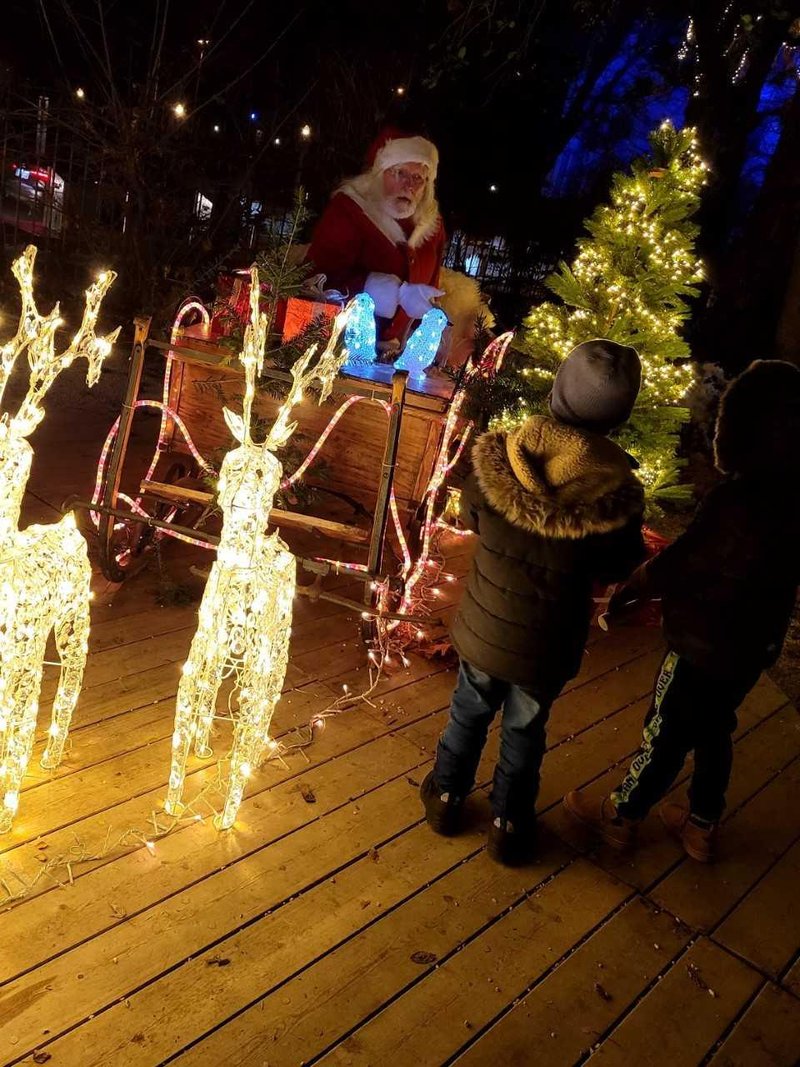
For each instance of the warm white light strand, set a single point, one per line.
(44, 570)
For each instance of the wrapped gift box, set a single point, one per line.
(232, 303)
(301, 313)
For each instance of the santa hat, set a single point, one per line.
(393, 147)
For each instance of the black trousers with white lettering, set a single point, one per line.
(691, 711)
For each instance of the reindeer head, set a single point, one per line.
(250, 475)
(36, 335)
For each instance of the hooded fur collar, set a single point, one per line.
(426, 218)
(574, 483)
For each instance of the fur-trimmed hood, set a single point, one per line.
(758, 426)
(426, 219)
(557, 481)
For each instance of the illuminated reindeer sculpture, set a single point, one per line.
(245, 616)
(44, 570)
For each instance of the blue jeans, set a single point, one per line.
(476, 700)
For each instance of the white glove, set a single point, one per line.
(416, 299)
(384, 290)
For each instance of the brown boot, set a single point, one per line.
(601, 816)
(699, 842)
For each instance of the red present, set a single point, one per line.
(302, 313)
(648, 613)
(232, 303)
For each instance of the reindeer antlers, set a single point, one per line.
(252, 354)
(324, 371)
(31, 322)
(252, 358)
(37, 333)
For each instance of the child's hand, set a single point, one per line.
(621, 604)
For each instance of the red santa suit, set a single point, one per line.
(359, 247)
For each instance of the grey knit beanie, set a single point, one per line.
(596, 386)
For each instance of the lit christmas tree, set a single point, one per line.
(628, 283)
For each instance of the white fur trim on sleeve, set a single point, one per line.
(385, 292)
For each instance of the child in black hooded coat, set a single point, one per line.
(727, 587)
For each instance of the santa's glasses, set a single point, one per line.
(407, 177)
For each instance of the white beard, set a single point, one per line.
(399, 208)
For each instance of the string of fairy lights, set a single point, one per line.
(628, 279)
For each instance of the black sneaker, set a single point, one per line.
(442, 810)
(513, 846)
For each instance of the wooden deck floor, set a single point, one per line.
(331, 926)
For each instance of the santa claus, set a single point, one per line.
(382, 234)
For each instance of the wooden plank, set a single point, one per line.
(679, 1021)
(339, 989)
(102, 742)
(141, 1027)
(317, 634)
(755, 838)
(119, 696)
(657, 851)
(130, 665)
(425, 469)
(131, 658)
(767, 1035)
(583, 705)
(277, 517)
(351, 730)
(179, 494)
(94, 808)
(345, 652)
(572, 765)
(427, 696)
(127, 730)
(90, 792)
(351, 671)
(132, 661)
(613, 651)
(376, 379)
(765, 927)
(353, 451)
(135, 884)
(429, 1022)
(152, 621)
(568, 1012)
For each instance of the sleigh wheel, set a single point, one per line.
(161, 509)
(118, 547)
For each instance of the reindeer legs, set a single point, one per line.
(18, 742)
(71, 634)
